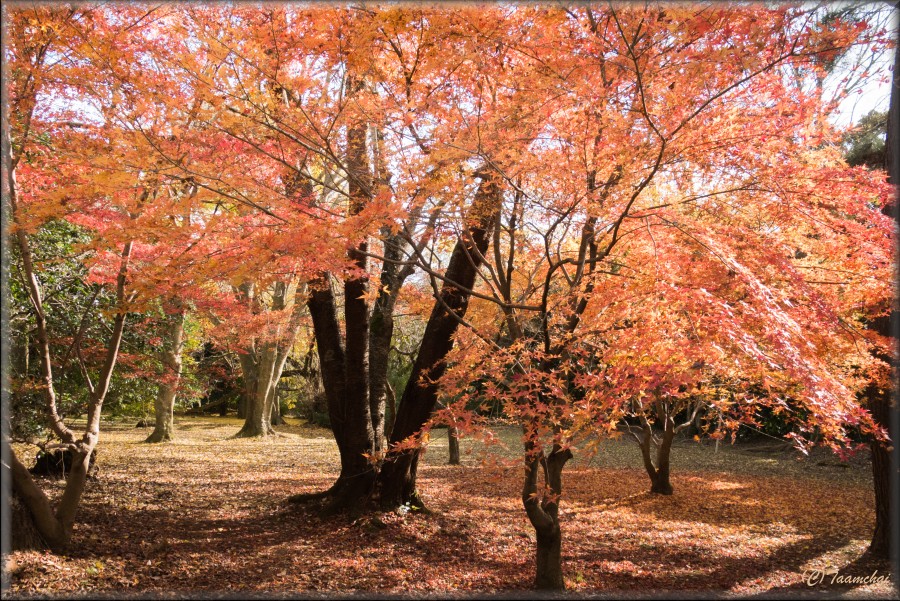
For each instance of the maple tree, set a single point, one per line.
(681, 259)
(332, 162)
(36, 34)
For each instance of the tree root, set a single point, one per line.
(244, 433)
(309, 497)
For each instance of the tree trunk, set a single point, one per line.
(275, 418)
(23, 532)
(256, 418)
(345, 367)
(397, 476)
(548, 573)
(264, 368)
(453, 445)
(381, 332)
(658, 471)
(661, 484)
(164, 405)
(357, 425)
(350, 424)
(263, 365)
(543, 513)
(381, 327)
(880, 546)
(38, 523)
(249, 376)
(886, 476)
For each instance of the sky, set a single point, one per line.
(876, 91)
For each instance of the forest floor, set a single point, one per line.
(204, 516)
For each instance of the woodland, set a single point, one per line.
(440, 300)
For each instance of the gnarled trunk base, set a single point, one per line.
(350, 493)
(160, 435)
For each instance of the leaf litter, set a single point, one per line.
(206, 515)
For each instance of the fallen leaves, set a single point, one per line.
(204, 515)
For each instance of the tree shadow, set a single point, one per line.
(230, 532)
(676, 550)
(280, 548)
(833, 581)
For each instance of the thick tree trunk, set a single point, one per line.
(357, 425)
(885, 474)
(548, 573)
(397, 476)
(880, 546)
(345, 367)
(352, 415)
(164, 405)
(256, 417)
(381, 327)
(453, 446)
(23, 532)
(264, 368)
(263, 364)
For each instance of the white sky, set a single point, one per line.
(874, 94)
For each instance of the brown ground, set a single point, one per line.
(204, 516)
